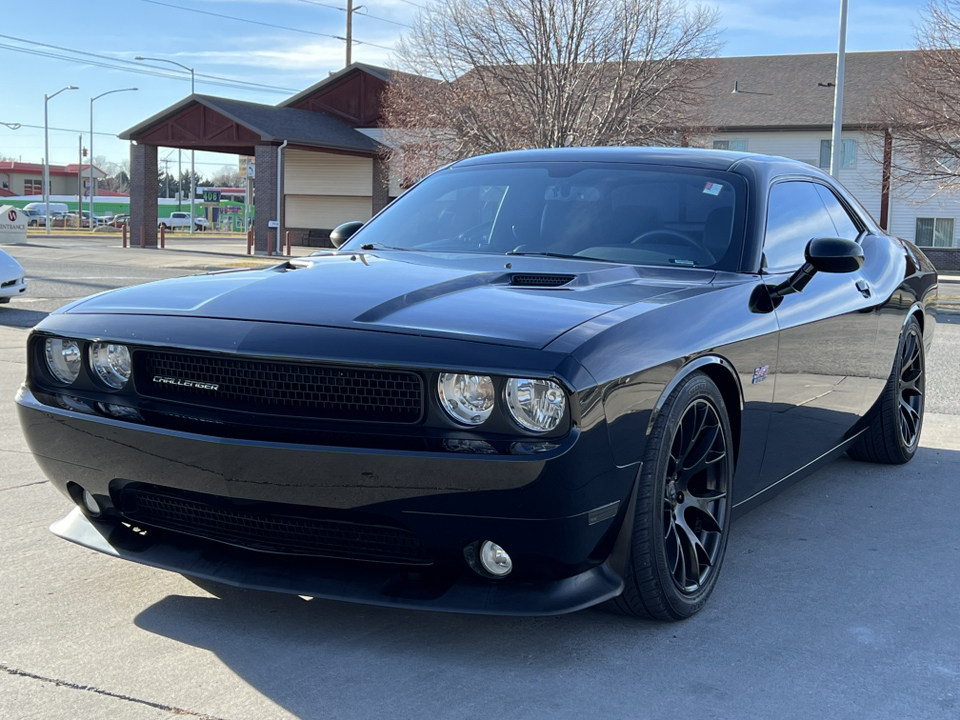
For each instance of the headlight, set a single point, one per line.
(111, 363)
(468, 399)
(63, 359)
(536, 405)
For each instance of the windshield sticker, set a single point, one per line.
(712, 188)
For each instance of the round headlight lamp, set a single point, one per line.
(111, 363)
(467, 399)
(63, 359)
(536, 405)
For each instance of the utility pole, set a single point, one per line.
(79, 178)
(837, 142)
(349, 32)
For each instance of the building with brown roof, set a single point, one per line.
(318, 154)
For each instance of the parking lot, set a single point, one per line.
(840, 598)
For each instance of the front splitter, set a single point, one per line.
(366, 583)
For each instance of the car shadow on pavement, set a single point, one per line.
(13, 316)
(820, 589)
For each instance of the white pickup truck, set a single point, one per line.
(182, 220)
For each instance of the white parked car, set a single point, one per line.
(182, 220)
(12, 278)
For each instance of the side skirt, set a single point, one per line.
(771, 491)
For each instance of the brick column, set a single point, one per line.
(265, 197)
(143, 193)
(381, 184)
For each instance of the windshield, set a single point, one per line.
(637, 214)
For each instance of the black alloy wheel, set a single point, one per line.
(895, 421)
(910, 388)
(683, 505)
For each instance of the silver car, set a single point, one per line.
(13, 282)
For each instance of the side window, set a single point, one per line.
(795, 215)
(841, 218)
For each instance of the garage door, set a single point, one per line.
(318, 173)
(325, 213)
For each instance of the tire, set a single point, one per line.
(682, 513)
(896, 419)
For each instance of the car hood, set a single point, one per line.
(9, 268)
(506, 300)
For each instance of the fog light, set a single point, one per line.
(91, 504)
(495, 560)
(479, 447)
(121, 411)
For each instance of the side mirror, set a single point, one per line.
(342, 233)
(829, 255)
(834, 255)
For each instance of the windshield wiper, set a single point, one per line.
(380, 246)
(561, 255)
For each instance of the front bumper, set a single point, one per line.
(542, 509)
(12, 288)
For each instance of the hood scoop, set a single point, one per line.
(539, 280)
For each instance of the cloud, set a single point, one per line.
(308, 58)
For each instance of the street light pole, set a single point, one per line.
(193, 153)
(837, 142)
(92, 182)
(46, 155)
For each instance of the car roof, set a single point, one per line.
(684, 157)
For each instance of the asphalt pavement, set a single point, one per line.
(838, 599)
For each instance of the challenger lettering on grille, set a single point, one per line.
(185, 383)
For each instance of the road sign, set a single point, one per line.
(273, 223)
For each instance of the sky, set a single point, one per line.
(285, 46)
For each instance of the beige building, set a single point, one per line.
(783, 105)
(17, 178)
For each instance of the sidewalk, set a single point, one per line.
(189, 252)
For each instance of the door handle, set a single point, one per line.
(864, 287)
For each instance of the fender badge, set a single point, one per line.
(180, 382)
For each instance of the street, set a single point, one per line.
(839, 598)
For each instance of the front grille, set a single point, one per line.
(9, 283)
(541, 280)
(280, 388)
(266, 531)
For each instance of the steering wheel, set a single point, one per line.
(668, 235)
(477, 234)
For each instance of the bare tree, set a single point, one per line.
(489, 75)
(228, 176)
(922, 109)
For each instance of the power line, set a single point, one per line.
(410, 2)
(262, 24)
(93, 63)
(367, 15)
(237, 19)
(81, 132)
(374, 17)
(139, 67)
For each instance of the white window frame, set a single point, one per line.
(935, 222)
(738, 145)
(848, 154)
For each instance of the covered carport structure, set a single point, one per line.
(315, 167)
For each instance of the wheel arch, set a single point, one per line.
(723, 374)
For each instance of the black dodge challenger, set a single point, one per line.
(537, 381)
